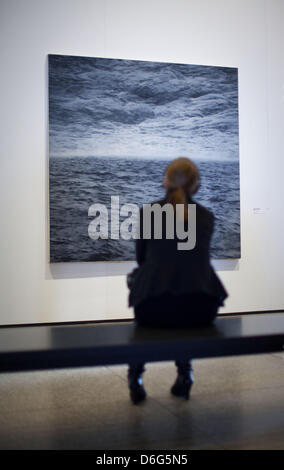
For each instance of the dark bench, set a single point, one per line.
(60, 346)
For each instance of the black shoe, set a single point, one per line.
(135, 384)
(181, 387)
(184, 381)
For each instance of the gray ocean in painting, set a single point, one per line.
(77, 183)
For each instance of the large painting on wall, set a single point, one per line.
(115, 124)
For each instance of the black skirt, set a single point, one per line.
(170, 310)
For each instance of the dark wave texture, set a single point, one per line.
(106, 115)
(116, 107)
(77, 183)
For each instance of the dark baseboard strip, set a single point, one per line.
(122, 320)
(68, 323)
(255, 312)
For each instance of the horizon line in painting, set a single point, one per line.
(115, 124)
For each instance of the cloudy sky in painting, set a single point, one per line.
(111, 107)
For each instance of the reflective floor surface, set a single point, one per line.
(236, 403)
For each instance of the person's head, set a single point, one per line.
(181, 181)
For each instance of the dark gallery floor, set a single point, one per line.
(236, 403)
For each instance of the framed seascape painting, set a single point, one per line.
(114, 125)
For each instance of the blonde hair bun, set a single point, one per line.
(182, 181)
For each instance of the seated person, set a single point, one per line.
(175, 287)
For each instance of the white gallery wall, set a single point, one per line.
(247, 34)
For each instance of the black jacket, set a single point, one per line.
(163, 268)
